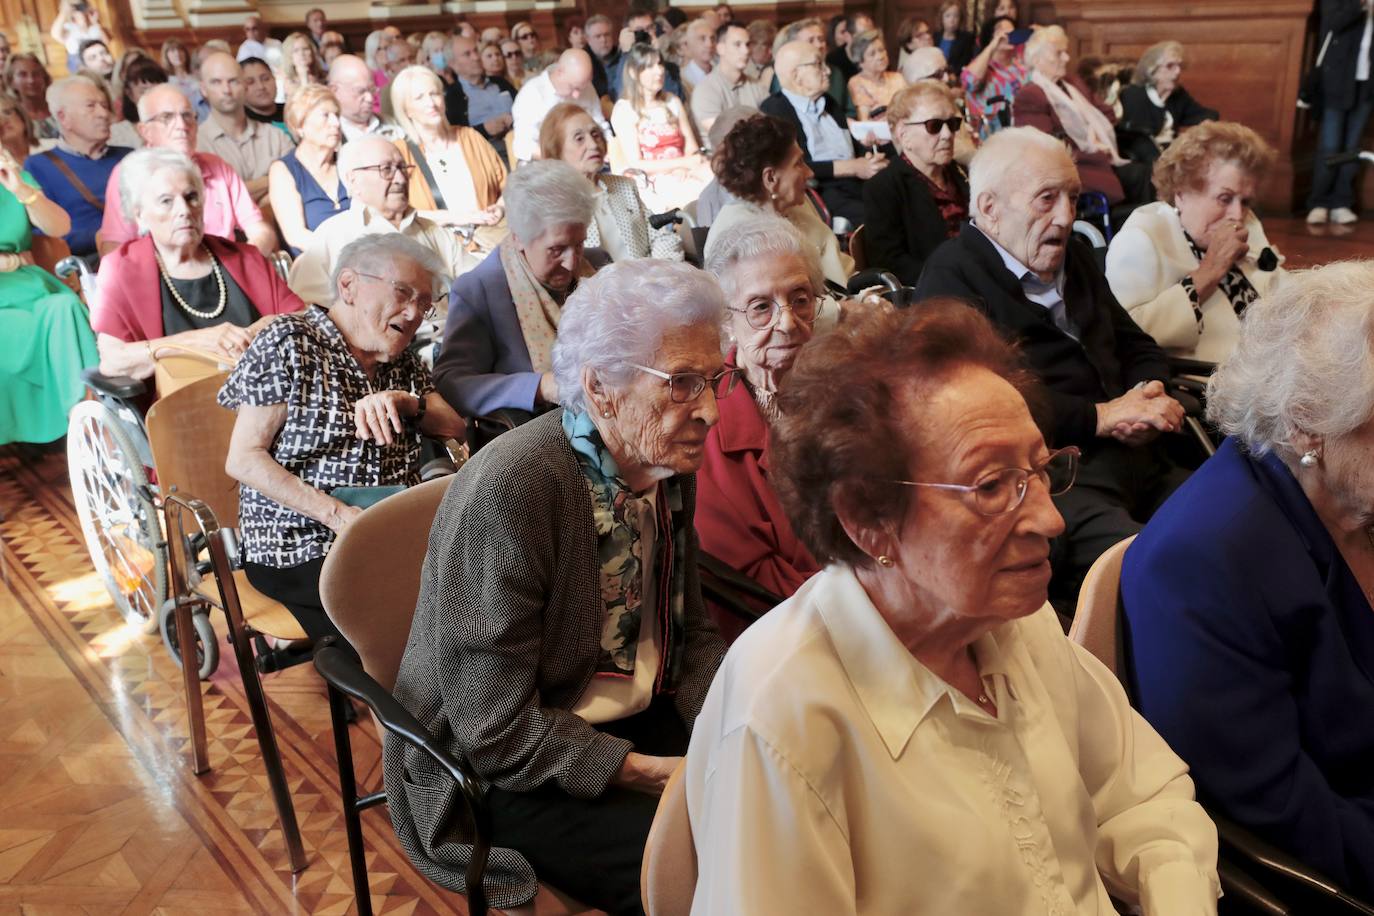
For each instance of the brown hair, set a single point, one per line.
(551, 131)
(11, 101)
(861, 384)
(751, 146)
(907, 100)
(906, 30)
(1184, 164)
(303, 101)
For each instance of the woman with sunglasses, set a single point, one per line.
(514, 60)
(560, 643)
(912, 732)
(912, 207)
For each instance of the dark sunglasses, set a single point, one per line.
(934, 125)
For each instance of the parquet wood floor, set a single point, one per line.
(99, 810)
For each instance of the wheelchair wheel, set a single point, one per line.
(207, 649)
(118, 518)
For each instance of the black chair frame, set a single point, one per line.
(345, 677)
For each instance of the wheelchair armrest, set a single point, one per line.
(872, 276)
(1243, 847)
(1242, 891)
(1180, 365)
(116, 386)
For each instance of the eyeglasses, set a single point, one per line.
(934, 125)
(761, 315)
(1000, 492)
(387, 170)
(524, 35)
(407, 295)
(819, 64)
(685, 387)
(168, 118)
(510, 54)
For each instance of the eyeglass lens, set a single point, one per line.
(762, 315)
(1004, 490)
(934, 125)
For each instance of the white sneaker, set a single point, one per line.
(1317, 215)
(1344, 216)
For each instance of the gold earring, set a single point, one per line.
(885, 561)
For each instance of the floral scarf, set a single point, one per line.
(615, 513)
(535, 307)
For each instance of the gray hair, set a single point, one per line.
(370, 252)
(544, 194)
(996, 159)
(924, 64)
(60, 90)
(1039, 40)
(859, 44)
(790, 31)
(597, 20)
(138, 169)
(145, 102)
(352, 153)
(620, 316)
(754, 237)
(1303, 362)
(1149, 61)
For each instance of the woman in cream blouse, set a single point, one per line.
(1187, 266)
(912, 732)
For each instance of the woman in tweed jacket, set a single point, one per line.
(560, 643)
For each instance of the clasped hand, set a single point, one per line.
(1139, 415)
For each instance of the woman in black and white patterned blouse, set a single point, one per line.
(330, 399)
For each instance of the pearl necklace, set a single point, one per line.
(186, 306)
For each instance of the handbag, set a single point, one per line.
(186, 365)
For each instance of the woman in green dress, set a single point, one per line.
(45, 328)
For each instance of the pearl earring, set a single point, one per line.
(885, 561)
(605, 414)
(1309, 459)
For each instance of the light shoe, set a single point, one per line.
(1344, 216)
(1317, 215)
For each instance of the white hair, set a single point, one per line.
(145, 101)
(546, 193)
(371, 45)
(754, 237)
(997, 158)
(370, 253)
(1039, 41)
(621, 314)
(924, 64)
(139, 169)
(59, 92)
(1303, 363)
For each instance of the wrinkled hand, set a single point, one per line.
(548, 389)
(489, 216)
(1228, 245)
(868, 299)
(344, 515)
(646, 773)
(871, 164)
(10, 173)
(228, 339)
(498, 125)
(378, 416)
(1139, 415)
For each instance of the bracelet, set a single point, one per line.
(419, 414)
(32, 199)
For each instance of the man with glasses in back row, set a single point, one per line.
(167, 119)
(378, 182)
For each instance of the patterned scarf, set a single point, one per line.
(535, 307)
(616, 511)
(1235, 285)
(1086, 126)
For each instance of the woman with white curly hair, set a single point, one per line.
(1249, 594)
(560, 643)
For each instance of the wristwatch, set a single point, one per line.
(419, 414)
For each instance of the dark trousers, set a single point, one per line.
(1117, 490)
(1136, 183)
(1341, 130)
(591, 849)
(844, 197)
(298, 588)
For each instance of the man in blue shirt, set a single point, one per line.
(822, 130)
(74, 174)
(474, 99)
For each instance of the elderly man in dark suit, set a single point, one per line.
(1105, 377)
(822, 129)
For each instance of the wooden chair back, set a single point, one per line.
(1097, 617)
(188, 433)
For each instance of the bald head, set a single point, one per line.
(351, 82)
(465, 59)
(572, 73)
(221, 83)
(348, 68)
(801, 69)
(924, 64)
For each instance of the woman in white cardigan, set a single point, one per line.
(1187, 266)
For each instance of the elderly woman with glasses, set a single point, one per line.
(560, 643)
(174, 286)
(772, 282)
(1249, 595)
(504, 315)
(917, 698)
(912, 207)
(329, 400)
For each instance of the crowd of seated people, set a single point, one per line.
(922, 488)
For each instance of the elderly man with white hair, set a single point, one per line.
(166, 120)
(699, 51)
(503, 318)
(352, 84)
(377, 180)
(75, 173)
(1018, 262)
(332, 399)
(569, 80)
(925, 64)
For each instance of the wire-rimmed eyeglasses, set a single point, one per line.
(999, 492)
(764, 314)
(684, 387)
(407, 295)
